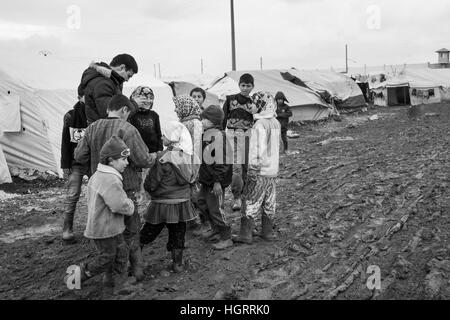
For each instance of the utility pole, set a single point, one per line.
(154, 69)
(346, 59)
(260, 62)
(233, 44)
(159, 68)
(201, 64)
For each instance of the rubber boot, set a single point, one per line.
(136, 264)
(246, 231)
(223, 244)
(204, 228)
(68, 227)
(121, 284)
(267, 228)
(177, 257)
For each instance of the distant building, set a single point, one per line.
(443, 60)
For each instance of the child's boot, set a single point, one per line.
(177, 257)
(68, 227)
(136, 264)
(267, 228)
(246, 231)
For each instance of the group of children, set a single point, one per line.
(185, 179)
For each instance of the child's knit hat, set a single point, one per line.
(114, 148)
(214, 114)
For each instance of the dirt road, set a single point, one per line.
(352, 194)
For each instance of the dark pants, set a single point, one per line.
(177, 232)
(112, 256)
(210, 206)
(74, 183)
(132, 227)
(284, 138)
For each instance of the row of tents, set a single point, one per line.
(33, 103)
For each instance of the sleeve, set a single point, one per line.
(256, 144)
(82, 152)
(153, 178)
(140, 156)
(66, 153)
(158, 133)
(116, 199)
(103, 93)
(288, 112)
(197, 139)
(220, 170)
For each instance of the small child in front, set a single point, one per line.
(107, 205)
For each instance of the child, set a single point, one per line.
(73, 130)
(239, 110)
(260, 188)
(283, 114)
(169, 186)
(147, 123)
(188, 113)
(199, 95)
(145, 119)
(107, 205)
(215, 174)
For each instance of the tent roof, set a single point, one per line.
(443, 50)
(267, 80)
(419, 78)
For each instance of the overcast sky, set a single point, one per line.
(306, 34)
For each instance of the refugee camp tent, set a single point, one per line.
(413, 87)
(344, 91)
(5, 176)
(305, 103)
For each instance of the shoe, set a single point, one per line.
(267, 228)
(136, 264)
(121, 284)
(246, 231)
(223, 244)
(68, 228)
(209, 234)
(237, 205)
(204, 228)
(177, 257)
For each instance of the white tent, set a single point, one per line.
(345, 92)
(305, 103)
(413, 86)
(5, 176)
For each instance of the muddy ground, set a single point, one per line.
(377, 196)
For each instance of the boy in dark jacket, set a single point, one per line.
(73, 131)
(98, 89)
(283, 114)
(215, 174)
(238, 110)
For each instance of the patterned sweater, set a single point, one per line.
(99, 132)
(238, 111)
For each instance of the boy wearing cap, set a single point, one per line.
(215, 174)
(88, 150)
(107, 205)
(260, 187)
(283, 114)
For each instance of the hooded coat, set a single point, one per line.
(98, 91)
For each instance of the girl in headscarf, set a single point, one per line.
(188, 112)
(169, 186)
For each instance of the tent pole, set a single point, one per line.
(233, 44)
(346, 59)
